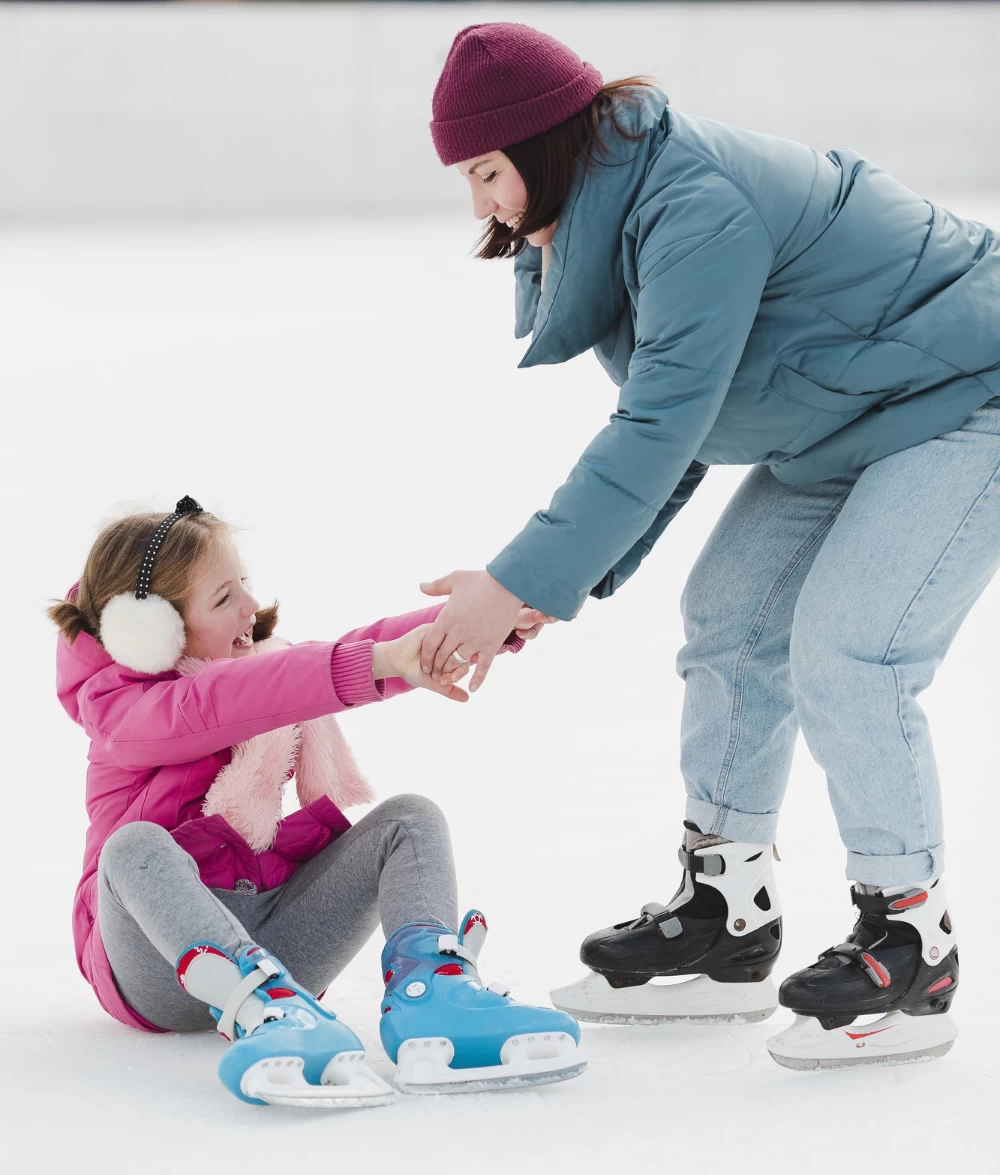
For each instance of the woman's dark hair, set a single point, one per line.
(546, 164)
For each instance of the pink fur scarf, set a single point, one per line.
(248, 792)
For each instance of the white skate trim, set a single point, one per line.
(699, 1000)
(423, 1064)
(346, 1082)
(748, 869)
(925, 916)
(892, 1039)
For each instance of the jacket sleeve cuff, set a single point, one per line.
(353, 679)
(513, 643)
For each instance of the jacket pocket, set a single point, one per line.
(820, 411)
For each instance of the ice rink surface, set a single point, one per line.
(346, 393)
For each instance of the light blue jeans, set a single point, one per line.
(829, 607)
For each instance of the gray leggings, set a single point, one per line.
(396, 863)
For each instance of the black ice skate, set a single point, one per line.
(723, 926)
(901, 960)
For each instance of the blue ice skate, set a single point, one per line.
(300, 1054)
(448, 1033)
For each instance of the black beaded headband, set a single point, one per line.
(185, 506)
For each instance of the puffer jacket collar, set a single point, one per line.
(585, 289)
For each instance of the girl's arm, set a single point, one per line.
(391, 627)
(150, 723)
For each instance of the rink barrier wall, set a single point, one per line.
(138, 110)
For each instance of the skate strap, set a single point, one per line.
(897, 903)
(448, 944)
(712, 864)
(863, 959)
(666, 923)
(262, 972)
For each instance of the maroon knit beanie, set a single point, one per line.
(503, 83)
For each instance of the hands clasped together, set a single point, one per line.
(473, 625)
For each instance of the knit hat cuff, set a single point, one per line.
(476, 134)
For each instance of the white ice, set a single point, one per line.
(347, 392)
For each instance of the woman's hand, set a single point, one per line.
(401, 658)
(474, 623)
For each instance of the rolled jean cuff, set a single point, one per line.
(899, 870)
(759, 828)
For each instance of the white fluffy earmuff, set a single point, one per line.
(145, 635)
(140, 630)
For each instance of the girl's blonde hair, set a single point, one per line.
(113, 565)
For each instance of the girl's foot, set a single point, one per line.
(448, 1033)
(287, 1048)
(900, 962)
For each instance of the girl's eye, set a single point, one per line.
(223, 600)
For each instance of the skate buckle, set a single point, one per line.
(448, 944)
(712, 864)
(875, 971)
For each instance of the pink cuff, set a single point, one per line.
(513, 643)
(351, 669)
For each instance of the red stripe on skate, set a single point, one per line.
(472, 922)
(916, 899)
(389, 975)
(450, 969)
(189, 956)
(882, 977)
(946, 982)
(279, 993)
(874, 1032)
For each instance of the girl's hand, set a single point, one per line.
(530, 622)
(474, 623)
(401, 658)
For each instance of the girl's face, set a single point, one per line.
(219, 614)
(499, 191)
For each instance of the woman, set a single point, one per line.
(756, 303)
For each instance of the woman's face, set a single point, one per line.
(498, 190)
(219, 614)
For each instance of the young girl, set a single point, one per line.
(199, 901)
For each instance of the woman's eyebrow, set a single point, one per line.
(472, 170)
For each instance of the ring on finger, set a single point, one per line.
(459, 658)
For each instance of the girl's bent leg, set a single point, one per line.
(396, 863)
(151, 905)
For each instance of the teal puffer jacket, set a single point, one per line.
(755, 301)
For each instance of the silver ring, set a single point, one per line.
(460, 659)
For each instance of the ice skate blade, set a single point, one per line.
(694, 1001)
(346, 1083)
(894, 1039)
(424, 1064)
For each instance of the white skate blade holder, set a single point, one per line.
(424, 1064)
(894, 1038)
(346, 1083)
(699, 1000)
